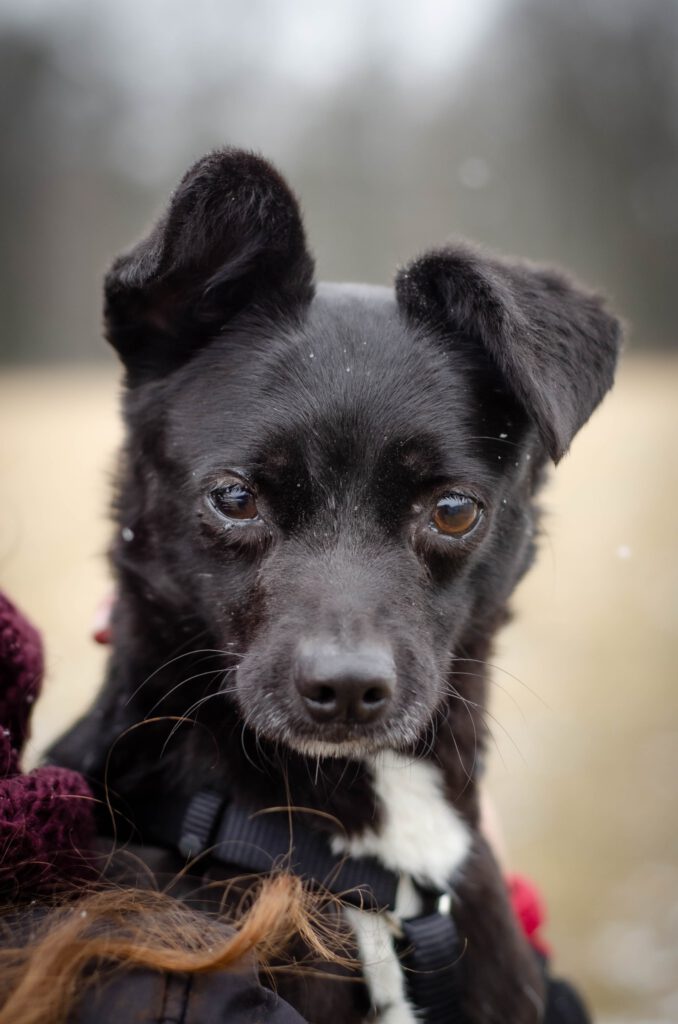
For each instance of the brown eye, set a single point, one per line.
(455, 515)
(234, 501)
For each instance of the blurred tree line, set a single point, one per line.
(554, 136)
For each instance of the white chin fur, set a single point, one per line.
(354, 749)
(365, 748)
(421, 834)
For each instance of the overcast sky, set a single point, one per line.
(306, 41)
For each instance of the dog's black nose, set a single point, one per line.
(338, 684)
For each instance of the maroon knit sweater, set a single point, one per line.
(46, 816)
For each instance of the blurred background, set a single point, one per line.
(542, 128)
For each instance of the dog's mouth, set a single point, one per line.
(352, 743)
(336, 702)
(399, 732)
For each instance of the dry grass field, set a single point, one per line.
(585, 766)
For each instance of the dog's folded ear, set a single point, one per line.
(554, 343)
(232, 237)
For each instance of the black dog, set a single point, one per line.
(329, 492)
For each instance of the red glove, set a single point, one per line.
(529, 908)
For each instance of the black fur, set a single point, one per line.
(349, 412)
(232, 237)
(555, 344)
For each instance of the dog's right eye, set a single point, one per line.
(234, 501)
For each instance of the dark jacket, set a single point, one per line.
(146, 997)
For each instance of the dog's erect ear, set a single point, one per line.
(554, 343)
(231, 237)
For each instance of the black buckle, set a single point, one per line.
(199, 823)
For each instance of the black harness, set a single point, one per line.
(214, 828)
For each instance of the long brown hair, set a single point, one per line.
(109, 929)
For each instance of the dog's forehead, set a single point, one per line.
(356, 359)
(352, 374)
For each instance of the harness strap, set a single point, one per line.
(429, 951)
(261, 841)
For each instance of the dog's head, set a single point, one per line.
(337, 483)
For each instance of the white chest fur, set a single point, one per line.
(421, 837)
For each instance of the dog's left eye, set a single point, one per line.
(455, 515)
(235, 501)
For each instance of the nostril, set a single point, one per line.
(323, 695)
(374, 696)
(320, 699)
